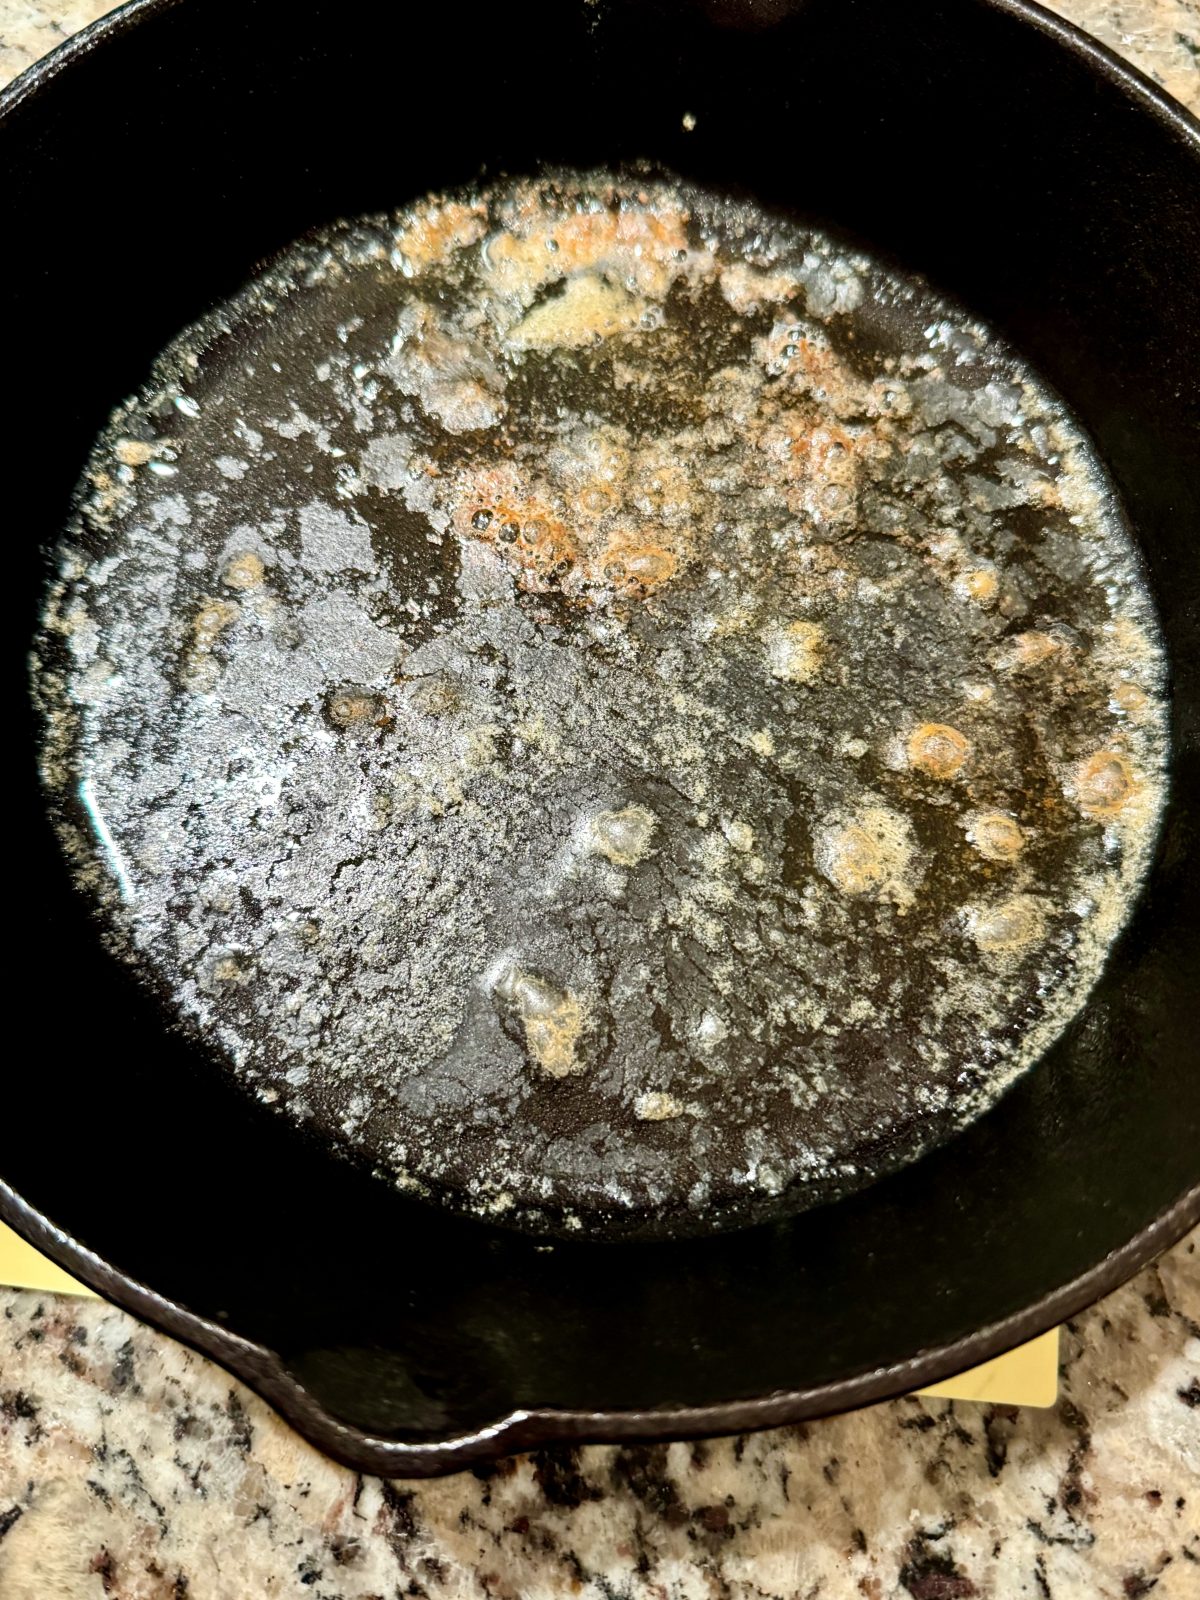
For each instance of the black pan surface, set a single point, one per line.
(146, 168)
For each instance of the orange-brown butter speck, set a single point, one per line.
(1103, 783)
(437, 231)
(937, 750)
(996, 836)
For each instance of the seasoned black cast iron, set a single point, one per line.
(145, 169)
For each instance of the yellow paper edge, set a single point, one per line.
(1026, 1376)
(23, 1267)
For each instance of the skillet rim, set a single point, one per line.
(522, 1429)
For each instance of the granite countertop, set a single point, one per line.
(131, 1468)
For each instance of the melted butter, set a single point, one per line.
(604, 699)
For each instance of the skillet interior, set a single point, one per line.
(148, 176)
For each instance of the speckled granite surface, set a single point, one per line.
(133, 1469)
(130, 1468)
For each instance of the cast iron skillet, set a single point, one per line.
(145, 168)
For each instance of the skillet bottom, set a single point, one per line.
(606, 701)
